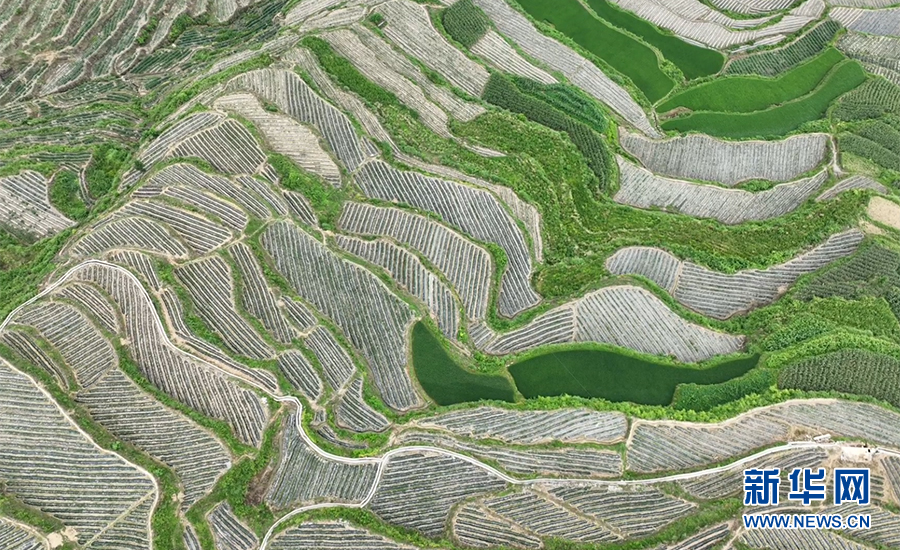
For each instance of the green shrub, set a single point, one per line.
(868, 149)
(775, 62)
(745, 94)
(694, 61)
(801, 328)
(465, 22)
(346, 74)
(107, 163)
(853, 371)
(325, 199)
(568, 99)
(870, 272)
(623, 53)
(776, 121)
(874, 99)
(65, 195)
(883, 134)
(503, 92)
(698, 397)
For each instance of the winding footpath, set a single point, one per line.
(383, 460)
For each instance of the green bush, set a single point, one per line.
(107, 163)
(870, 272)
(776, 121)
(869, 149)
(623, 53)
(698, 397)
(503, 92)
(874, 99)
(853, 371)
(568, 99)
(694, 61)
(883, 134)
(745, 94)
(65, 195)
(327, 200)
(465, 22)
(775, 62)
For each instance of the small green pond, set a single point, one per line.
(615, 376)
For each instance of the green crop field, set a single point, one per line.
(744, 94)
(465, 22)
(623, 53)
(448, 382)
(694, 61)
(775, 62)
(851, 371)
(776, 121)
(615, 376)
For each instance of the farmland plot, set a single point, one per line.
(200, 233)
(752, 7)
(228, 146)
(294, 97)
(885, 530)
(643, 189)
(841, 419)
(336, 362)
(476, 527)
(139, 263)
(25, 208)
(48, 463)
(175, 315)
(474, 211)
(231, 216)
(729, 483)
(450, 102)
(701, 157)
(672, 446)
(28, 347)
(410, 28)
(339, 17)
(284, 135)
(494, 49)
(300, 208)
(304, 477)
(348, 45)
(721, 295)
(190, 539)
(374, 319)
(159, 148)
(301, 374)
(625, 316)
(120, 406)
(419, 490)
(353, 413)
(696, 22)
(75, 337)
(883, 22)
(332, 535)
(256, 296)
(544, 516)
(564, 462)
(133, 232)
(210, 283)
(531, 427)
(572, 65)
(298, 314)
(407, 270)
(16, 537)
(93, 301)
(191, 176)
(789, 539)
(634, 512)
(176, 373)
(229, 532)
(704, 540)
(879, 54)
(774, 62)
(848, 184)
(466, 265)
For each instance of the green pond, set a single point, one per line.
(448, 382)
(615, 376)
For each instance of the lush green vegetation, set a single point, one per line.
(465, 22)
(703, 397)
(346, 74)
(448, 382)
(504, 93)
(874, 99)
(745, 94)
(65, 195)
(779, 120)
(325, 199)
(872, 271)
(108, 162)
(875, 140)
(146, 32)
(694, 61)
(615, 376)
(853, 371)
(623, 53)
(775, 62)
(568, 99)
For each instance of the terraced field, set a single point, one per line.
(326, 274)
